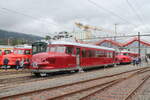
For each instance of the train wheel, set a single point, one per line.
(37, 74)
(40, 74)
(43, 74)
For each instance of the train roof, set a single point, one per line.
(81, 45)
(128, 51)
(6, 46)
(23, 46)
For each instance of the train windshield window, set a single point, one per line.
(7, 51)
(38, 47)
(34, 49)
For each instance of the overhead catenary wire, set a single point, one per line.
(115, 36)
(139, 8)
(137, 14)
(111, 12)
(46, 22)
(26, 15)
(4, 11)
(135, 11)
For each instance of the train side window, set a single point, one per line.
(111, 55)
(27, 52)
(90, 53)
(52, 49)
(61, 49)
(83, 53)
(69, 50)
(107, 54)
(125, 54)
(93, 53)
(97, 53)
(0, 52)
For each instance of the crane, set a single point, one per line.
(88, 28)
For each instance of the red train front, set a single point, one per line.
(126, 57)
(20, 53)
(62, 56)
(4, 51)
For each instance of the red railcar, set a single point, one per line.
(126, 57)
(60, 56)
(4, 50)
(21, 53)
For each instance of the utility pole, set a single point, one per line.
(115, 32)
(8, 41)
(139, 46)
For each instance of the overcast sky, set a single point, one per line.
(48, 16)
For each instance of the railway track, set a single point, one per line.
(121, 90)
(25, 78)
(13, 71)
(12, 77)
(80, 90)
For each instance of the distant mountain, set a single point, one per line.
(6, 36)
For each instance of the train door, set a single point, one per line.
(78, 56)
(78, 60)
(1, 57)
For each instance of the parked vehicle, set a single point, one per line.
(126, 57)
(20, 53)
(4, 50)
(68, 56)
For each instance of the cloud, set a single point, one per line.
(49, 16)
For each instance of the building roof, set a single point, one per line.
(122, 44)
(134, 40)
(110, 41)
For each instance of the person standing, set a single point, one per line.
(5, 62)
(22, 63)
(146, 59)
(134, 61)
(17, 64)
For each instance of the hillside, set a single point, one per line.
(6, 36)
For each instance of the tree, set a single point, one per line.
(47, 37)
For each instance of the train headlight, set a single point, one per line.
(34, 64)
(51, 60)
